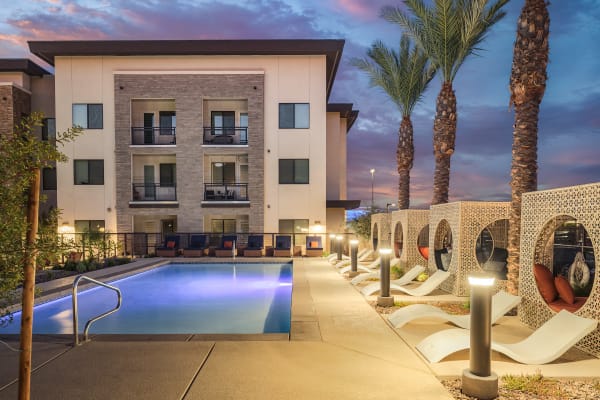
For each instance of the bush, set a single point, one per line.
(81, 267)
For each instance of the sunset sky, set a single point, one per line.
(569, 131)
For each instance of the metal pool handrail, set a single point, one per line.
(96, 318)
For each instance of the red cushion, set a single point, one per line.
(424, 250)
(564, 289)
(228, 244)
(170, 244)
(545, 282)
(314, 244)
(559, 304)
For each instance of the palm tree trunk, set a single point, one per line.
(404, 157)
(444, 135)
(527, 85)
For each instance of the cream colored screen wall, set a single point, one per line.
(287, 79)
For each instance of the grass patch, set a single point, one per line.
(534, 384)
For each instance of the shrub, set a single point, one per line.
(81, 267)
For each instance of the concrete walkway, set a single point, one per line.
(339, 348)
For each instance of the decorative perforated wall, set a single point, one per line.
(411, 222)
(541, 212)
(466, 220)
(383, 234)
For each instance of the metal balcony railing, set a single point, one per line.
(226, 192)
(154, 192)
(153, 136)
(225, 136)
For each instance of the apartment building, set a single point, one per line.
(200, 135)
(26, 87)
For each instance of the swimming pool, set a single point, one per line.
(180, 299)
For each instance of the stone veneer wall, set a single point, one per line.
(188, 92)
(466, 219)
(538, 209)
(14, 103)
(411, 221)
(384, 233)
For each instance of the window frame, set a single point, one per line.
(89, 181)
(294, 116)
(295, 180)
(88, 106)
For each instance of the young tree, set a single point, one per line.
(404, 76)
(527, 87)
(448, 32)
(22, 155)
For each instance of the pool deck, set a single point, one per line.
(339, 347)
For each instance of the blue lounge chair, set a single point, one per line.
(198, 246)
(314, 246)
(283, 246)
(255, 246)
(170, 248)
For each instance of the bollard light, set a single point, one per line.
(331, 243)
(479, 381)
(385, 300)
(339, 244)
(353, 258)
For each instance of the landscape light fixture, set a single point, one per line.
(339, 240)
(479, 381)
(385, 300)
(353, 258)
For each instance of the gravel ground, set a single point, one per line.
(538, 388)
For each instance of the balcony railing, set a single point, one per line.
(153, 136)
(154, 192)
(225, 136)
(226, 192)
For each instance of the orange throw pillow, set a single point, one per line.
(565, 291)
(545, 283)
(314, 244)
(170, 244)
(227, 244)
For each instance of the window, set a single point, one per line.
(87, 116)
(221, 120)
(223, 172)
(48, 129)
(294, 116)
(293, 226)
(293, 171)
(167, 175)
(223, 225)
(84, 226)
(244, 126)
(49, 179)
(89, 172)
(167, 121)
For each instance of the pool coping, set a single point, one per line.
(63, 287)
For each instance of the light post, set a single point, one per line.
(385, 300)
(331, 243)
(353, 258)
(479, 381)
(372, 171)
(339, 240)
(387, 207)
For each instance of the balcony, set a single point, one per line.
(153, 192)
(153, 136)
(225, 136)
(226, 193)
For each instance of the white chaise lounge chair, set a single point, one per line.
(366, 268)
(432, 283)
(408, 277)
(502, 303)
(545, 345)
(360, 258)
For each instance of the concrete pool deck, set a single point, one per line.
(339, 347)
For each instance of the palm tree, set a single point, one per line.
(404, 76)
(527, 86)
(448, 31)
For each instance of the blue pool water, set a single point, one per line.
(180, 298)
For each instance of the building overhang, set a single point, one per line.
(345, 204)
(346, 111)
(24, 65)
(330, 48)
